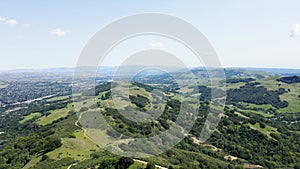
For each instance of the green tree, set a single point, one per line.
(124, 162)
(150, 165)
(44, 157)
(108, 163)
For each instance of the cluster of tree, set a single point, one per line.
(21, 142)
(148, 88)
(286, 121)
(189, 155)
(133, 129)
(199, 122)
(104, 160)
(237, 80)
(206, 93)
(237, 138)
(128, 127)
(99, 89)
(43, 106)
(289, 80)
(106, 96)
(19, 152)
(250, 93)
(139, 100)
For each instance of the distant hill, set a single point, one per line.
(278, 71)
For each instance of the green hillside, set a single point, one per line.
(260, 126)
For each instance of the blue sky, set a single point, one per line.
(42, 34)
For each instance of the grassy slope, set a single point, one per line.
(292, 96)
(135, 165)
(78, 148)
(58, 98)
(29, 117)
(55, 114)
(32, 162)
(252, 106)
(267, 130)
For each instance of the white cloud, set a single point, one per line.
(2, 19)
(295, 30)
(58, 32)
(158, 45)
(26, 25)
(20, 36)
(11, 22)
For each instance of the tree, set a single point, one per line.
(124, 162)
(262, 125)
(82, 109)
(44, 157)
(108, 163)
(297, 166)
(150, 165)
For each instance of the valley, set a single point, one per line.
(45, 124)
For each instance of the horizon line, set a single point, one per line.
(112, 66)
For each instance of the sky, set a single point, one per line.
(45, 34)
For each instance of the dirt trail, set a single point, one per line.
(144, 162)
(84, 132)
(71, 165)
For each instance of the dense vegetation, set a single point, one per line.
(290, 80)
(139, 100)
(237, 80)
(99, 88)
(237, 137)
(251, 93)
(252, 131)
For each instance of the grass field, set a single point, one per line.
(32, 162)
(136, 165)
(78, 148)
(29, 117)
(235, 85)
(294, 107)
(134, 90)
(266, 131)
(241, 115)
(55, 114)
(256, 112)
(58, 98)
(270, 83)
(252, 106)
(292, 98)
(88, 102)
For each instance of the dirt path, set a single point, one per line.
(71, 165)
(84, 132)
(144, 162)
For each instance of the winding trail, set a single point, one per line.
(71, 165)
(76, 124)
(136, 160)
(144, 162)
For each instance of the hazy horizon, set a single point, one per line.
(113, 66)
